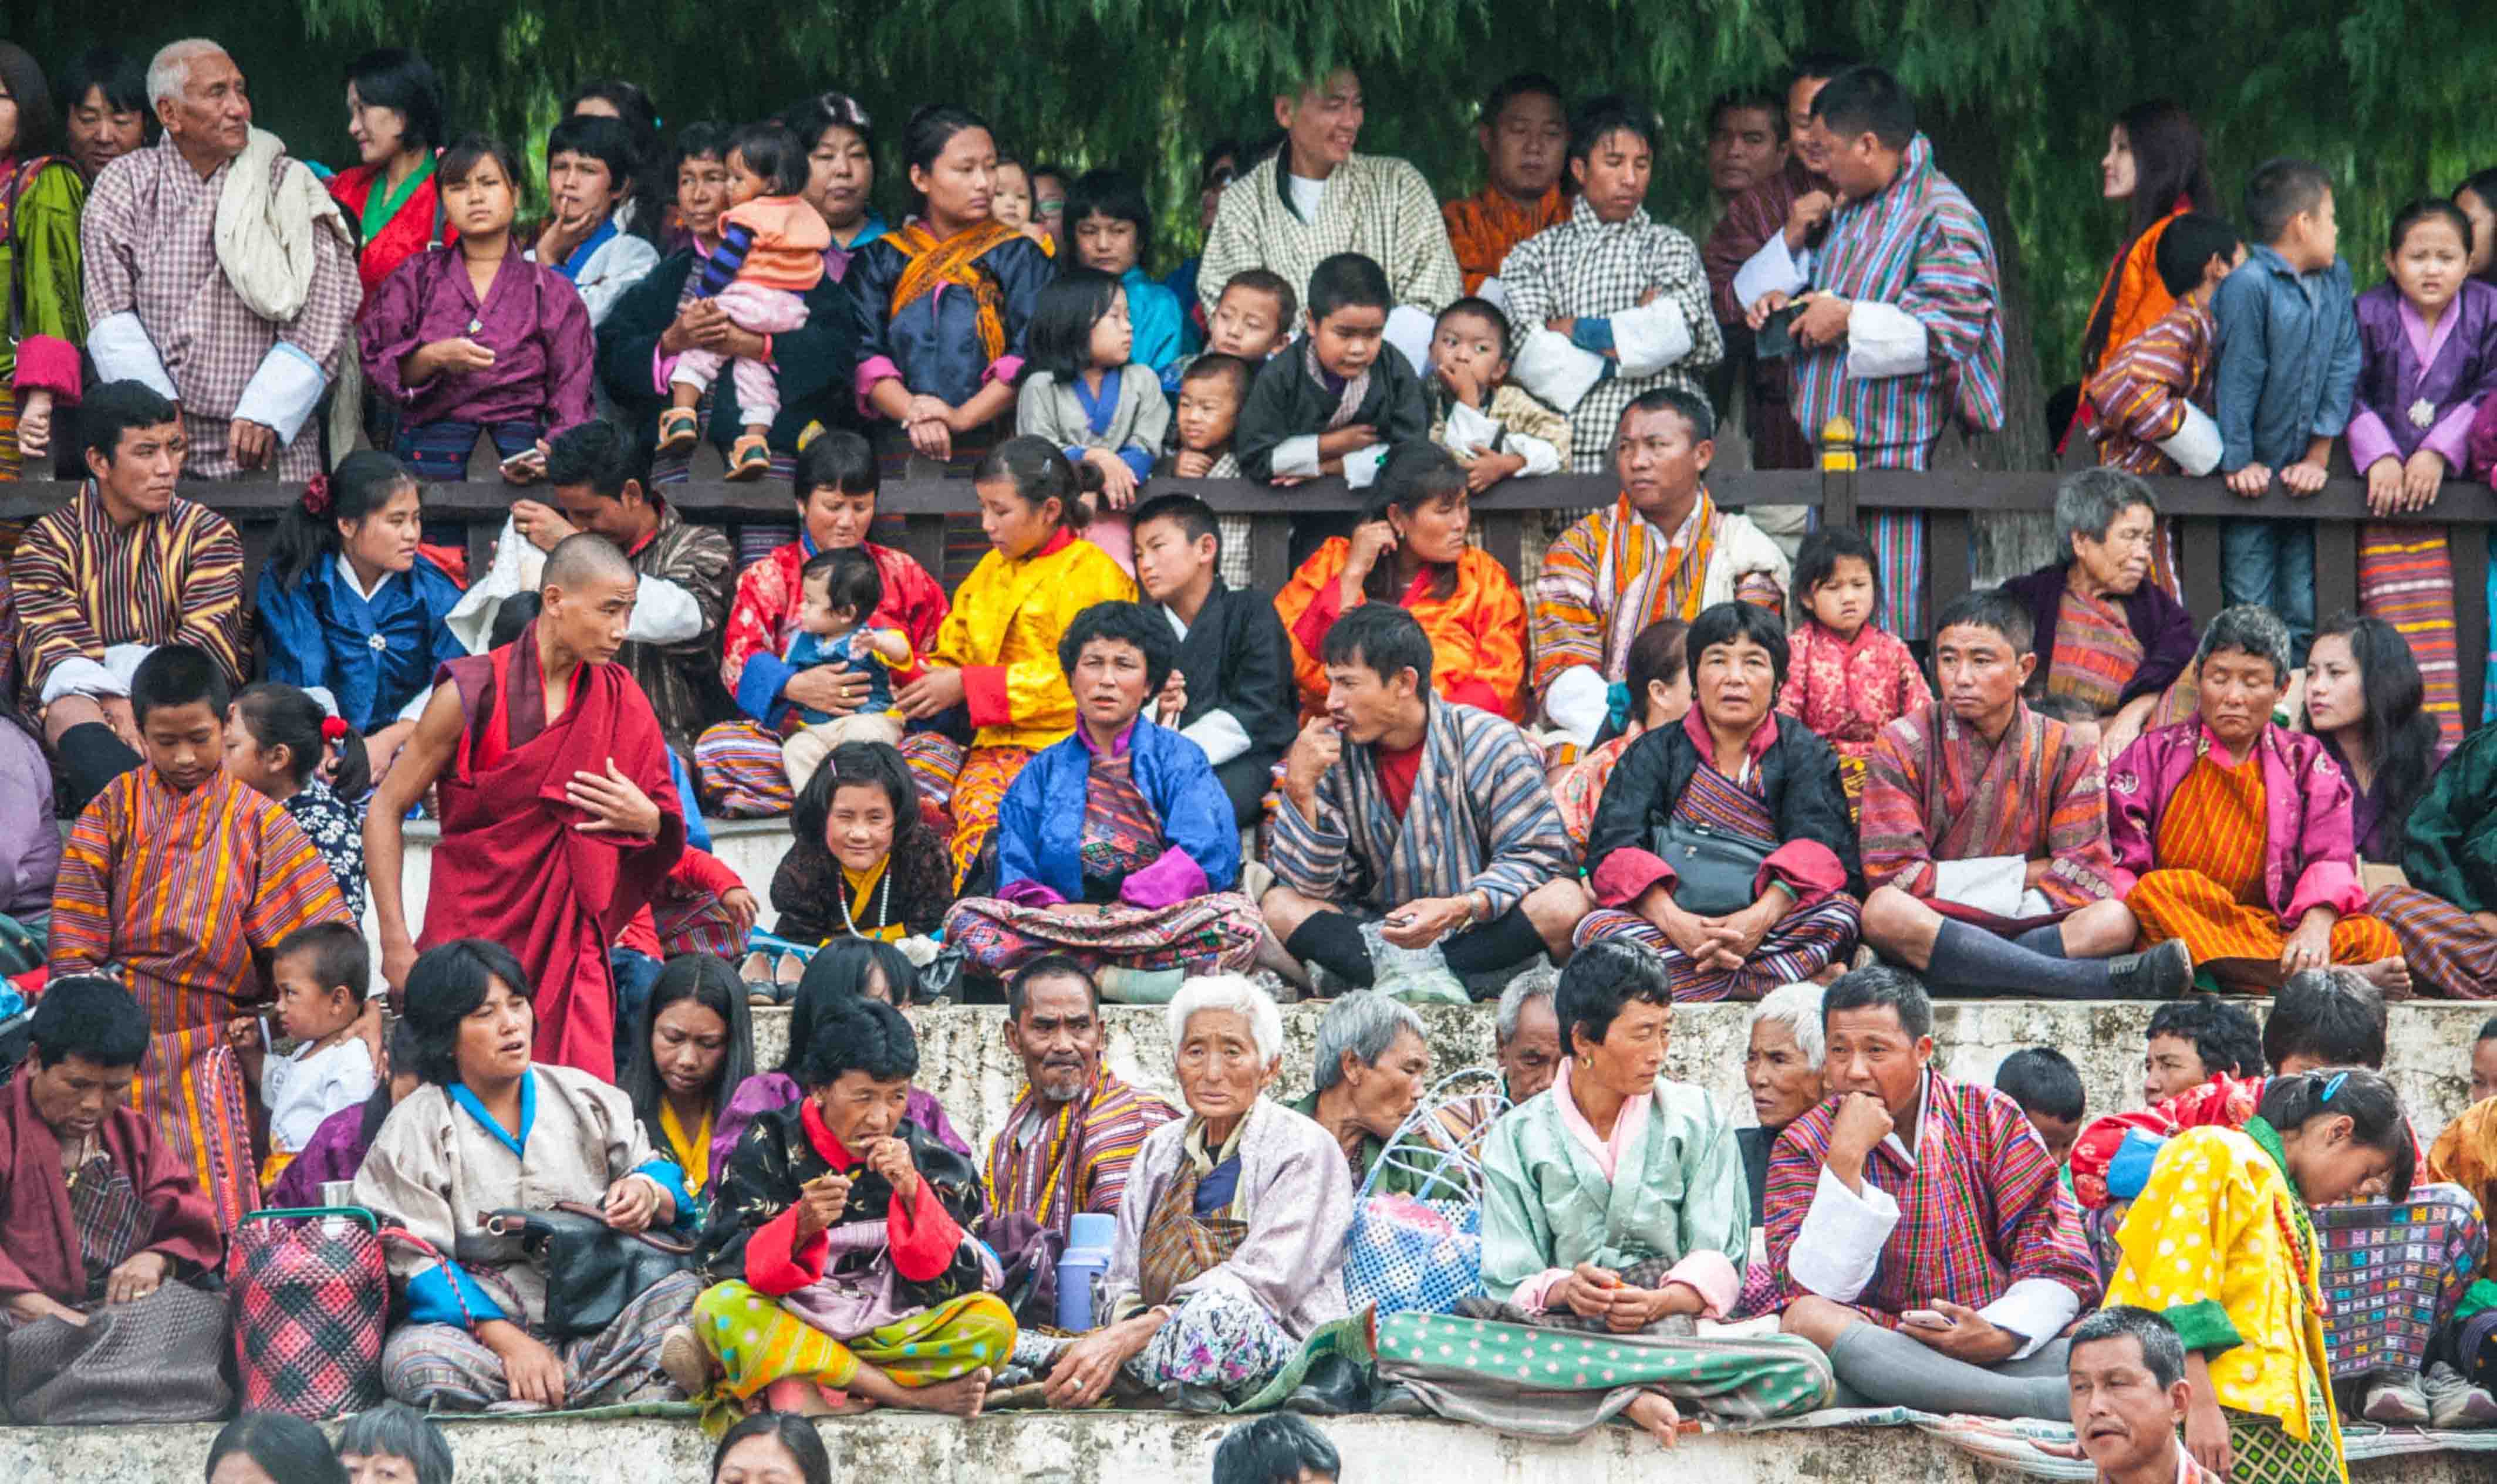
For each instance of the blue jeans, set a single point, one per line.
(2272, 562)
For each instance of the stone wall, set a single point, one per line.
(1120, 1448)
(964, 1062)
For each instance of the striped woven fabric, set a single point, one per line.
(2095, 652)
(2406, 578)
(439, 451)
(740, 774)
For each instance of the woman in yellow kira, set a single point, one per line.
(2220, 1243)
(997, 655)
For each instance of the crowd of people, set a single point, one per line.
(1696, 754)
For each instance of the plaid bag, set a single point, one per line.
(311, 1299)
(1407, 1254)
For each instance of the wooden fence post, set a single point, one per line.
(1838, 472)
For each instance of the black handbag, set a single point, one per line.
(592, 1270)
(1714, 873)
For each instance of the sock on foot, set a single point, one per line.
(1332, 941)
(1966, 957)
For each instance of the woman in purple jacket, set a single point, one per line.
(477, 339)
(2107, 634)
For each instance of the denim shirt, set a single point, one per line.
(2288, 359)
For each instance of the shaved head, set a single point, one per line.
(577, 561)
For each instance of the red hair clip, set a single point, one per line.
(316, 496)
(332, 730)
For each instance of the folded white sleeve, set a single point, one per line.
(282, 394)
(1651, 336)
(1409, 330)
(1883, 341)
(414, 711)
(1991, 883)
(1219, 734)
(323, 698)
(1470, 430)
(1361, 466)
(1540, 457)
(124, 659)
(2035, 1310)
(1561, 373)
(80, 676)
(2196, 446)
(1773, 269)
(1297, 454)
(1840, 1244)
(123, 351)
(663, 613)
(1577, 702)
(1495, 293)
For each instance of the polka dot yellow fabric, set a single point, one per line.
(2207, 1244)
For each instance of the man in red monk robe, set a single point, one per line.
(558, 814)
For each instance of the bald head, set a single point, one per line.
(578, 561)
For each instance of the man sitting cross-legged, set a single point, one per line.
(1916, 1227)
(1986, 834)
(1433, 814)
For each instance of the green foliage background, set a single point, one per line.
(2391, 95)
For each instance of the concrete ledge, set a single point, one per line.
(1124, 1448)
(963, 1061)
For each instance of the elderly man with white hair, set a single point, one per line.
(1230, 1242)
(1526, 1035)
(219, 273)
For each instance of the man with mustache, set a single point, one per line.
(2127, 1372)
(1067, 1145)
(242, 329)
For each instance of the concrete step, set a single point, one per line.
(1124, 1448)
(964, 1062)
(963, 1059)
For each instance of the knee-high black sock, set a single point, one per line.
(1505, 940)
(1332, 941)
(91, 756)
(1971, 958)
(2048, 940)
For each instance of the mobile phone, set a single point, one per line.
(527, 460)
(1926, 1318)
(1775, 338)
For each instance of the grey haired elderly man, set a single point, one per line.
(1527, 1030)
(220, 273)
(1371, 1066)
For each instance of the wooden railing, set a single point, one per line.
(1950, 498)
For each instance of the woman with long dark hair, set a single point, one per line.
(394, 116)
(2365, 698)
(864, 864)
(693, 1047)
(41, 198)
(351, 607)
(1411, 549)
(2155, 165)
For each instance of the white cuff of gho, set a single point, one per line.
(1884, 340)
(2196, 446)
(282, 394)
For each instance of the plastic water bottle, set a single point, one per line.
(1089, 1240)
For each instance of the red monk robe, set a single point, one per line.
(40, 1249)
(511, 867)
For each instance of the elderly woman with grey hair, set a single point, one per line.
(1782, 1069)
(1230, 1240)
(2105, 632)
(2234, 834)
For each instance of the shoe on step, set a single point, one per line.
(2165, 971)
(2454, 1404)
(2396, 1403)
(686, 1364)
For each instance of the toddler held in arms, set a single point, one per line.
(771, 251)
(842, 589)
